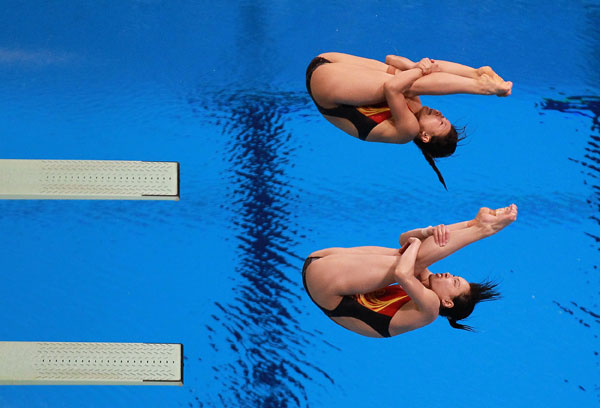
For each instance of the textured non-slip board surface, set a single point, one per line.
(89, 179)
(53, 363)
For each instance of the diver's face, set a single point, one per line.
(448, 286)
(433, 123)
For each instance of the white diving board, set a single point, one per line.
(33, 363)
(88, 180)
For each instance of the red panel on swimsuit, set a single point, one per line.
(378, 113)
(386, 301)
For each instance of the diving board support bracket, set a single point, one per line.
(53, 363)
(88, 180)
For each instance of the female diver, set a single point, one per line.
(379, 102)
(383, 292)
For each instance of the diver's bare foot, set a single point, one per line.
(490, 72)
(493, 221)
(504, 89)
(494, 85)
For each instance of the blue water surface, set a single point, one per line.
(265, 180)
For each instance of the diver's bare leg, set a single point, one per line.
(354, 60)
(361, 250)
(331, 277)
(442, 83)
(342, 83)
(487, 222)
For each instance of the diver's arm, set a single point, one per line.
(419, 233)
(404, 273)
(404, 126)
(401, 63)
(411, 318)
(404, 80)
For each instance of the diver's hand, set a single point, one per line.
(441, 235)
(427, 66)
(412, 241)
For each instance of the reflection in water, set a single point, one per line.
(268, 365)
(577, 313)
(588, 106)
(259, 325)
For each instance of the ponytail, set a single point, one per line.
(457, 325)
(439, 146)
(431, 162)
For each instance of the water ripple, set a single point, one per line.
(587, 106)
(259, 323)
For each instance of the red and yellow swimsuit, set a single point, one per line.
(378, 113)
(386, 301)
(374, 308)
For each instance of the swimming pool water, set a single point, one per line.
(265, 181)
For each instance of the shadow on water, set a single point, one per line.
(587, 106)
(258, 328)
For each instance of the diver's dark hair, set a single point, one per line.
(439, 147)
(464, 304)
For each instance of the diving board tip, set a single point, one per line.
(66, 363)
(88, 180)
